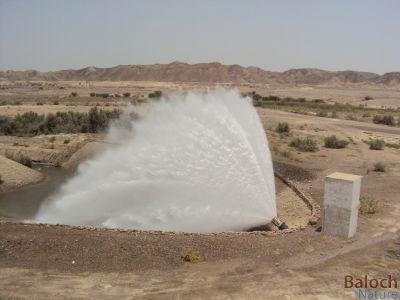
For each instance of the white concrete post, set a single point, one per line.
(341, 204)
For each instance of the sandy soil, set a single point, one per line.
(48, 149)
(355, 95)
(15, 175)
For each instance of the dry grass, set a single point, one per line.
(368, 205)
(190, 255)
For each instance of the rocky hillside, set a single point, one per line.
(208, 73)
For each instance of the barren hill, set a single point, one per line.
(208, 73)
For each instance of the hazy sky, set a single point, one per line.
(276, 35)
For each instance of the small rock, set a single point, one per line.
(309, 249)
(313, 221)
(277, 264)
(73, 262)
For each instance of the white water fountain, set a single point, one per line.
(194, 162)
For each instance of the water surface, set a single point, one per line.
(24, 203)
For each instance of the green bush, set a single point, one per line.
(66, 141)
(334, 143)
(379, 167)
(386, 120)
(31, 123)
(127, 95)
(74, 94)
(283, 128)
(92, 94)
(304, 144)
(376, 144)
(156, 94)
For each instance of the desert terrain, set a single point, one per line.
(59, 261)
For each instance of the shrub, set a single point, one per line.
(322, 113)
(304, 145)
(379, 167)
(334, 143)
(55, 102)
(66, 141)
(74, 94)
(31, 123)
(376, 144)
(127, 95)
(286, 154)
(1, 180)
(386, 120)
(366, 98)
(393, 145)
(269, 98)
(368, 205)
(52, 139)
(20, 158)
(190, 255)
(156, 94)
(39, 103)
(92, 94)
(283, 128)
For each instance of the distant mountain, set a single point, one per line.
(207, 73)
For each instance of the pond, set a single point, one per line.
(24, 203)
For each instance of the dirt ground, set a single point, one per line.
(59, 262)
(15, 175)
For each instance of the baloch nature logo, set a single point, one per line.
(373, 288)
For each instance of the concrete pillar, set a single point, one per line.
(341, 204)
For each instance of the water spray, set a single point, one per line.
(194, 162)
